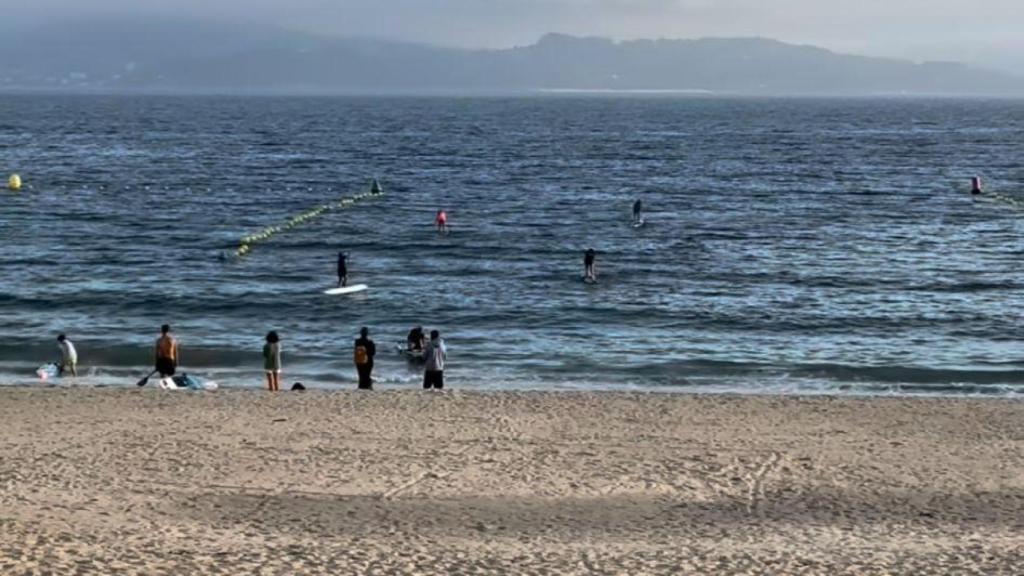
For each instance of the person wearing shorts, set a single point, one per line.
(272, 361)
(166, 353)
(436, 354)
(442, 221)
(68, 356)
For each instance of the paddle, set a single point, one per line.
(145, 380)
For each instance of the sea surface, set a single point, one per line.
(790, 245)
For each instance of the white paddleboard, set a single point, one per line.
(411, 355)
(638, 223)
(178, 383)
(346, 289)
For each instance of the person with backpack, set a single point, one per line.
(436, 354)
(363, 355)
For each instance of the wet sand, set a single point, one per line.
(101, 481)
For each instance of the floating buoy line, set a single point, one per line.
(1018, 202)
(246, 244)
(977, 190)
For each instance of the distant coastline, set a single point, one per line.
(628, 91)
(524, 93)
(154, 57)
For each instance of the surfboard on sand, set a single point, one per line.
(186, 382)
(346, 289)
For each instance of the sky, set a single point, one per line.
(985, 32)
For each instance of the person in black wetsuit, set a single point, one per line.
(638, 206)
(342, 269)
(589, 273)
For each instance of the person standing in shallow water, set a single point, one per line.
(166, 353)
(363, 353)
(589, 271)
(68, 356)
(415, 341)
(435, 356)
(441, 221)
(272, 361)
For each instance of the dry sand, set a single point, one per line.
(245, 482)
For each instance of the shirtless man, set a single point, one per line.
(166, 353)
(442, 221)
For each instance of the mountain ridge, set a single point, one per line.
(184, 56)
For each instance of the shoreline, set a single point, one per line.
(462, 390)
(412, 383)
(249, 393)
(467, 482)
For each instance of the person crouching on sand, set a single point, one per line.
(363, 353)
(272, 361)
(433, 375)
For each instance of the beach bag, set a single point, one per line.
(48, 371)
(361, 356)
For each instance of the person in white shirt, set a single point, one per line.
(435, 355)
(68, 356)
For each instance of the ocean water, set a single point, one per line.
(791, 245)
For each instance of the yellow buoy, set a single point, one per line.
(14, 182)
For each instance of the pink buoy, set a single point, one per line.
(976, 185)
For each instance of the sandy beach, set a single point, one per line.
(103, 481)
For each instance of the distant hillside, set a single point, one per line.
(182, 56)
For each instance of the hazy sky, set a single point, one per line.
(980, 31)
